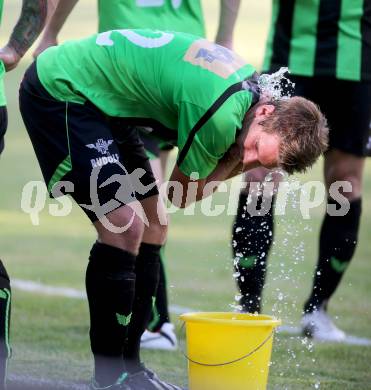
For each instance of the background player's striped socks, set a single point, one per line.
(147, 275)
(338, 241)
(110, 286)
(5, 300)
(252, 238)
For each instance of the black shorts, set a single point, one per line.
(347, 107)
(3, 126)
(76, 143)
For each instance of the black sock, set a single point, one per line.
(252, 238)
(160, 312)
(5, 300)
(147, 274)
(110, 286)
(338, 241)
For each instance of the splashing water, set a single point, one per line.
(274, 173)
(276, 86)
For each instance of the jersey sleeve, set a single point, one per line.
(210, 143)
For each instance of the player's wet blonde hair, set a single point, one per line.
(303, 132)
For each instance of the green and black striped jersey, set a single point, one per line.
(321, 38)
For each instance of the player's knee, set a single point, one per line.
(353, 180)
(134, 232)
(344, 167)
(122, 234)
(156, 232)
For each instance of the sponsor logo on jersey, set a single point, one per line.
(218, 54)
(216, 59)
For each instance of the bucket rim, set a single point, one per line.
(203, 317)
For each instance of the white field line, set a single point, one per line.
(67, 292)
(349, 340)
(23, 382)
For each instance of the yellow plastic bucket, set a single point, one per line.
(228, 351)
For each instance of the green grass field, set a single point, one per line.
(50, 334)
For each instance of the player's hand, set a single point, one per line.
(9, 57)
(44, 44)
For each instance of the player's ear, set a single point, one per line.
(264, 110)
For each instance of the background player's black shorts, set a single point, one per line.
(347, 107)
(154, 146)
(3, 125)
(77, 143)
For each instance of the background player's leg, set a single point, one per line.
(160, 313)
(339, 235)
(4, 282)
(3, 126)
(252, 237)
(160, 333)
(5, 300)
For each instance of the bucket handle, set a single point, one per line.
(261, 345)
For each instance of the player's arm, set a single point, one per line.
(25, 32)
(54, 25)
(229, 166)
(228, 16)
(209, 154)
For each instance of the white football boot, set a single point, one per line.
(164, 339)
(319, 326)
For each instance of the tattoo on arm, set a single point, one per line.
(29, 25)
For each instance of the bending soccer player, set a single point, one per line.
(82, 102)
(184, 16)
(337, 64)
(26, 30)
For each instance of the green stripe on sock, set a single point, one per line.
(247, 262)
(338, 265)
(123, 320)
(155, 315)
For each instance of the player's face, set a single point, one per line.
(261, 148)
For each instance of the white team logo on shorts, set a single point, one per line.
(102, 147)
